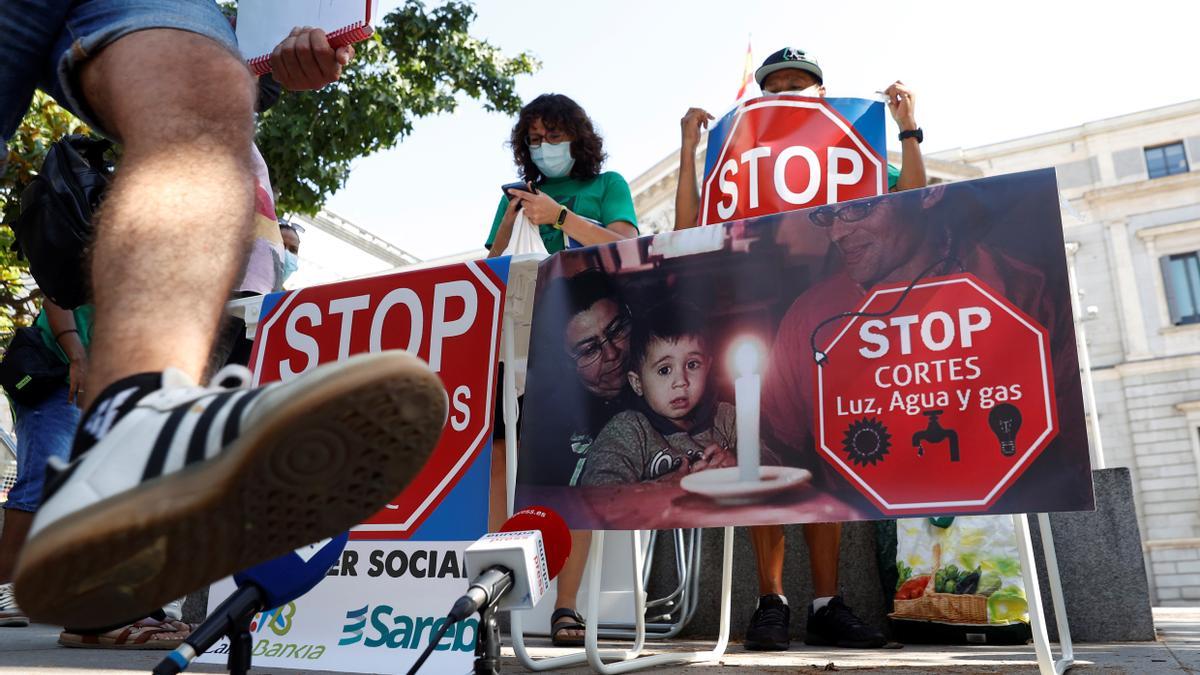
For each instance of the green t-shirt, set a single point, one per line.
(83, 323)
(893, 176)
(604, 199)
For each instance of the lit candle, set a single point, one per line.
(747, 389)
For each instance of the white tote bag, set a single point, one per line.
(526, 238)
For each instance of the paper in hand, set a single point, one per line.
(263, 24)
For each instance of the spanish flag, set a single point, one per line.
(747, 71)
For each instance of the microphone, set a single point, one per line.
(512, 568)
(265, 586)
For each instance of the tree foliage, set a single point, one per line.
(43, 124)
(414, 66)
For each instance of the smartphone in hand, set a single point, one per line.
(519, 185)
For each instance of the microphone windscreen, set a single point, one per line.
(556, 536)
(292, 575)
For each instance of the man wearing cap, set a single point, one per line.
(830, 621)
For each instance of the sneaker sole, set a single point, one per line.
(14, 622)
(322, 462)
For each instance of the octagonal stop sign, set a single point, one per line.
(789, 152)
(939, 404)
(450, 317)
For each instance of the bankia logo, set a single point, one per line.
(278, 620)
(271, 625)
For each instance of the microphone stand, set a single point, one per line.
(230, 619)
(240, 648)
(487, 643)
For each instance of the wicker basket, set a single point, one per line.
(944, 607)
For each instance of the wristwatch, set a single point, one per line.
(914, 133)
(562, 218)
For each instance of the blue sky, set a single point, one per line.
(983, 73)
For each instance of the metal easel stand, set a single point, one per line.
(509, 351)
(677, 607)
(1047, 665)
(591, 649)
(632, 661)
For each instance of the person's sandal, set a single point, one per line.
(557, 628)
(144, 634)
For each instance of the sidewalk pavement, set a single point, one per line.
(33, 651)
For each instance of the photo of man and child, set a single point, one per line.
(631, 382)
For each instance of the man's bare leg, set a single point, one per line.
(824, 548)
(831, 622)
(174, 226)
(498, 492)
(16, 528)
(770, 624)
(768, 541)
(161, 504)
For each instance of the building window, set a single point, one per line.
(1166, 160)
(1181, 278)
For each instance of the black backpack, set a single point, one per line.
(55, 229)
(29, 371)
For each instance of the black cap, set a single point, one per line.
(789, 57)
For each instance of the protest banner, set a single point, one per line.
(403, 567)
(780, 153)
(904, 354)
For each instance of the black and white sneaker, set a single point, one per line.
(835, 625)
(11, 615)
(195, 483)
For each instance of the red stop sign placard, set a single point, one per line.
(939, 405)
(449, 316)
(789, 152)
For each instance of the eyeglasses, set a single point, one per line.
(847, 213)
(589, 351)
(551, 137)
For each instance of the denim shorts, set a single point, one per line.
(45, 41)
(43, 431)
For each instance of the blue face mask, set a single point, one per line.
(291, 263)
(554, 160)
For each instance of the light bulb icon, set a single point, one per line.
(1005, 421)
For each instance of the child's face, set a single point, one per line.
(672, 377)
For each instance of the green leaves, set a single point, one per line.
(414, 66)
(905, 573)
(43, 124)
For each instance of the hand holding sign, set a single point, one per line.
(693, 121)
(901, 103)
(305, 60)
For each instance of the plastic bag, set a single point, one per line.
(526, 238)
(966, 571)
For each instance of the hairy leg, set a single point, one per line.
(824, 546)
(768, 541)
(571, 576)
(174, 227)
